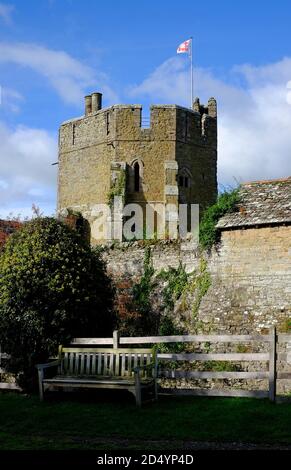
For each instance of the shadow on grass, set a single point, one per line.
(110, 420)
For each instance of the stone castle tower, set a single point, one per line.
(107, 152)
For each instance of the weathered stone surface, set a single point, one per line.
(250, 277)
(178, 142)
(250, 292)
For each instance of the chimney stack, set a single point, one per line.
(96, 102)
(88, 105)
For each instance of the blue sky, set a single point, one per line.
(53, 52)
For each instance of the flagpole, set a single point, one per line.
(191, 70)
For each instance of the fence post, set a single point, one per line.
(272, 364)
(116, 339)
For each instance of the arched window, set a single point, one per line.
(136, 177)
(185, 178)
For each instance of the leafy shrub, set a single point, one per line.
(176, 282)
(226, 202)
(53, 287)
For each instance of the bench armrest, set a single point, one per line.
(41, 373)
(47, 365)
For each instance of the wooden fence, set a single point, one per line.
(269, 358)
(5, 385)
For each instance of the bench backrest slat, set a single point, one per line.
(71, 363)
(129, 368)
(141, 363)
(94, 364)
(76, 358)
(122, 357)
(99, 363)
(88, 363)
(107, 362)
(104, 364)
(111, 364)
(117, 365)
(65, 363)
(81, 363)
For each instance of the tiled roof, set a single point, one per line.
(261, 203)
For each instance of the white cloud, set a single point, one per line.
(68, 76)
(26, 174)
(6, 13)
(10, 99)
(254, 120)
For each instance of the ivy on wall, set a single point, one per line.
(174, 284)
(226, 202)
(117, 189)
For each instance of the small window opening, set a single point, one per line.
(184, 181)
(136, 177)
(107, 123)
(74, 130)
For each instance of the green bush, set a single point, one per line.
(53, 287)
(226, 202)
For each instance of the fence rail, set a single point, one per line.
(269, 359)
(266, 371)
(177, 339)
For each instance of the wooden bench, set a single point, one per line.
(134, 370)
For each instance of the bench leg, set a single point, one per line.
(40, 385)
(155, 389)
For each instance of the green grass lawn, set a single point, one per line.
(103, 422)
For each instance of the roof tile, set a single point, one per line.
(261, 203)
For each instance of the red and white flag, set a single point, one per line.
(184, 47)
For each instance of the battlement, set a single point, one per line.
(124, 121)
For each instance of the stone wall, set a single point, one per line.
(250, 292)
(250, 277)
(251, 274)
